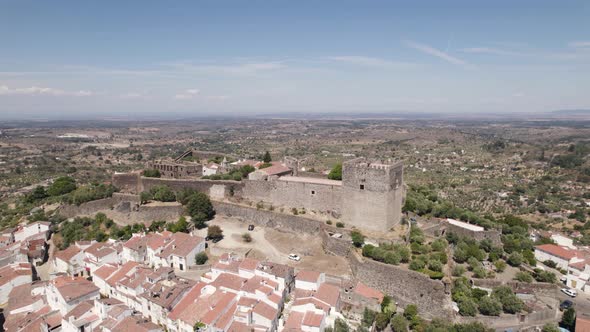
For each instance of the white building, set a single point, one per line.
(25, 231)
(210, 169)
(65, 293)
(12, 276)
(562, 256)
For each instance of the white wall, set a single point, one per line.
(542, 256)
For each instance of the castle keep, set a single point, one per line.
(370, 195)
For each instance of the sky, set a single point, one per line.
(61, 59)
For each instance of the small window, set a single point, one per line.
(362, 187)
(312, 192)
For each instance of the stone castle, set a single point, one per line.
(370, 195)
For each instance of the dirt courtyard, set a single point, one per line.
(275, 245)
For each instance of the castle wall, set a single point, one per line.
(268, 218)
(405, 286)
(209, 187)
(325, 198)
(493, 235)
(126, 182)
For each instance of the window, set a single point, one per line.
(313, 193)
(362, 187)
(181, 267)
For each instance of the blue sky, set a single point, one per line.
(62, 58)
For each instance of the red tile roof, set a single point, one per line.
(368, 292)
(308, 276)
(582, 324)
(72, 288)
(68, 253)
(558, 251)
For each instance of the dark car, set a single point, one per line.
(215, 240)
(250, 227)
(566, 305)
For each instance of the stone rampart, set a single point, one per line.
(215, 188)
(405, 286)
(319, 197)
(266, 218)
(493, 235)
(127, 182)
(537, 288)
(335, 246)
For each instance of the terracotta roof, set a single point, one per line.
(249, 264)
(135, 324)
(278, 270)
(121, 273)
(190, 297)
(72, 288)
(329, 294)
(312, 319)
(558, 251)
(265, 311)
(368, 292)
(79, 310)
(181, 244)
(276, 169)
(294, 321)
(105, 271)
(136, 242)
(230, 281)
(582, 324)
(308, 276)
(67, 254)
(9, 272)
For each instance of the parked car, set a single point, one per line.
(563, 279)
(569, 292)
(215, 240)
(250, 227)
(294, 257)
(566, 305)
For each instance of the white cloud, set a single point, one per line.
(437, 53)
(366, 61)
(187, 94)
(132, 95)
(42, 91)
(489, 50)
(237, 69)
(580, 44)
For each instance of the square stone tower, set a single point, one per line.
(372, 194)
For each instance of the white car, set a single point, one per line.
(569, 292)
(294, 257)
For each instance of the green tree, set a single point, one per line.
(382, 320)
(336, 172)
(145, 197)
(267, 158)
(515, 259)
(399, 323)
(568, 320)
(214, 232)
(500, 265)
(37, 194)
(61, 186)
(340, 325)
(151, 173)
(200, 209)
(510, 303)
(523, 277)
(358, 239)
(549, 327)
(368, 317)
(490, 306)
(201, 258)
(411, 311)
(467, 307)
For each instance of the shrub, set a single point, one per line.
(399, 324)
(336, 172)
(515, 259)
(439, 244)
(214, 232)
(550, 263)
(151, 173)
(358, 239)
(61, 186)
(201, 258)
(391, 258)
(510, 303)
(544, 276)
(329, 222)
(246, 237)
(435, 265)
(368, 250)
(490, 307)
(500, 265)
(458, 270)
(523, 277)
(417, 265)
(340, 224)
(411, 311)
(467, 307)
(479, 272)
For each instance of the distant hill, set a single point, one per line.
(572, 112)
